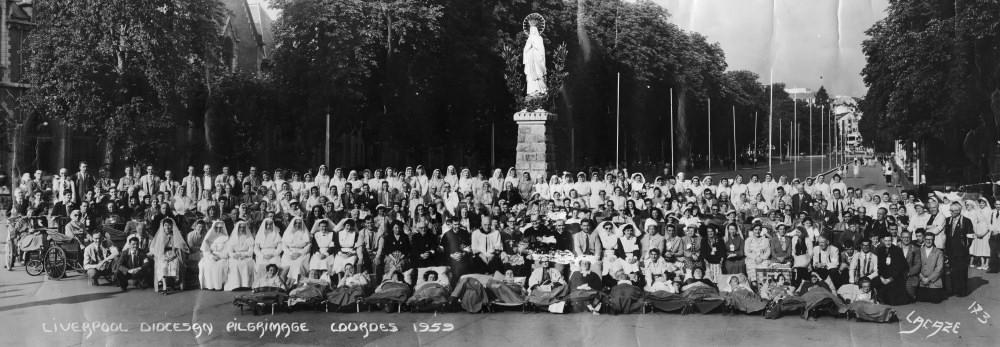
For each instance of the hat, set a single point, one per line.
(650, 222)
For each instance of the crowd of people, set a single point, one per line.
(599, 241)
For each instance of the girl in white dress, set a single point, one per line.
(295, 244)
(267, 246)
(323, 236)
(241, 264)
(348, 245)
(214, 265)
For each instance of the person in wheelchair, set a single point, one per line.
(99, 257)
(134, 266)
(76, 227)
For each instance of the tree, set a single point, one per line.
(351, 58)
(122, 70)
(930, 70)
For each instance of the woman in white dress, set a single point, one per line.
(214, 265)
(169, 251)
(323, 237)
(419, 181)
(267, 246)
(241, 264)
(465, 183)
(295, 244)
(348, 245)
(322, 179)
(338, 179)
(980, 247)
(451, 176)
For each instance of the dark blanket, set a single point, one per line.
(428, 297)
(744, 300)
(871, 312)
(390, 293)
(507, 294)
(667, 302)
(261, 296)
(345, 296)
(704, 298)
(471, 294)
(624, 298)
(307, 293)
(815, 299)
(543, 298)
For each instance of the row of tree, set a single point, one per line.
(404, 82)
(933, 74)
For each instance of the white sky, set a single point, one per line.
(801, 39)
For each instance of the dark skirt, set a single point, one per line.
(734, 267)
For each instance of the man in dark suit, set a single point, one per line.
(912, 254)
(801, 202)
(134, 266)
(456, 245)
(879, 227)
(956, 250)
(892, 272)
(84, 181)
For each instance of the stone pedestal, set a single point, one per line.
(536, 150)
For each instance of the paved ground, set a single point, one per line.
(35, 311)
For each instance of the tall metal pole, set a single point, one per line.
(618, 114)
(710, 134)
(811, 139)
(770, 125)
(780, 157)
(327, 155)
(755, 148)
(822, 137)
(735, 168)
(493, 144)
(795, 122)
(672, 167)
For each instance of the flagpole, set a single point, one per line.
(710, 134)
(811, 139)
(672, 167)
(770, 125)
(735, 168)
(618, 118)
(822, 137)
(795, 118)
(755, 147)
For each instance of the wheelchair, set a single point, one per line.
(43, 249)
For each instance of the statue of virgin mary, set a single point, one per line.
(534, 55)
